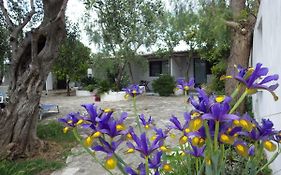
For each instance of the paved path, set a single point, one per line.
(160, 108)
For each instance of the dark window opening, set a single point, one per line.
(156, 68)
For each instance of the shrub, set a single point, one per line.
(164, 85)
(90, 87)
(103, 87)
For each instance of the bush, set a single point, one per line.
(103, 87)
(164, 85)
(90, 88)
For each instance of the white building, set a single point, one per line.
(267, 50)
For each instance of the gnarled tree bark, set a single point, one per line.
(241, 38)
(32, 58)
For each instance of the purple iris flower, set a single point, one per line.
(143, 145)
(108, 148)
(70, 119)
(185, 85)
(133, 90)
(110, 128)
(257, 79)
(141, 170)
(196, 151)
(219, 112)
(147, 123)
(177, 125)
(263, 131)
(203, 102)
(155, 162)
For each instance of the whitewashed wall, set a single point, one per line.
(267, 50)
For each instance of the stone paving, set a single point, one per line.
(160, 108)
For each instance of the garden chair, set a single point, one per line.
(48, 108)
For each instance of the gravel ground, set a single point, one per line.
(160, 108)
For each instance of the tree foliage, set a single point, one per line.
(122, 27)
(74, 57)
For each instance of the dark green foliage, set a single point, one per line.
(28, 167)
(53, 132)
(218, 70)
(88, 81)
(90, 87)
(103, 87)
(164, 85)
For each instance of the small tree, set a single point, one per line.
(73, 59)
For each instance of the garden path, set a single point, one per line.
(160, 108)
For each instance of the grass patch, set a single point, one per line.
(52, 158)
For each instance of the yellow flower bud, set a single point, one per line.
(146, 126)
(187, 130)
(186, 88)
(167, 168)
(79, 122)
(269, 146)
(241, 150)
(88, 141)
(120, 127)
(110, 163)
(153, 137)
(107, 110)
(245, 124)
(130, 150)
(227, 139)
(195, 141)
(96, 134)
(65, 130)
(129, 136)
(195, 124)
(164, 149)
(220, 98)
(183, 140)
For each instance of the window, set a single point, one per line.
(157, 68)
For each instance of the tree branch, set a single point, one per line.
(232, 24)
(62, 10)
(25, 21)
(7, 18)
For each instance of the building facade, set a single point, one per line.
(267, 50)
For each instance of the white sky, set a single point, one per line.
(75, 11)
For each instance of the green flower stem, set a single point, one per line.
(238, 102)
(121, 168)
(136, 115)
(196, 164)
(79, 139)
(234, 93)
(120, 159)
(146, 166)
(216, 135)
(271, 160)
(207, 130)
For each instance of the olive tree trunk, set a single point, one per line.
(241, 44)
(32, 58)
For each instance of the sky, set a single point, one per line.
(75, 10)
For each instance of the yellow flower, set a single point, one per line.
(88, 141)
(187, 130)
(110, 163)
(241, 150)
(126, 96)
(107, 110)
(164, 149)
(134, 91)
(183, 140)
(227, 139)
(120, 127)
(186, 88)
(153, 137)
(195, 141)
(245, 124)
(167, 168)
(195, 124)
(220, 98)
(130, 150)
(96, 134)
(129, 136)
(146, 127)
(269, 146)
(195, 114)
(79, 122)
(236, 122)
(65, 130)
